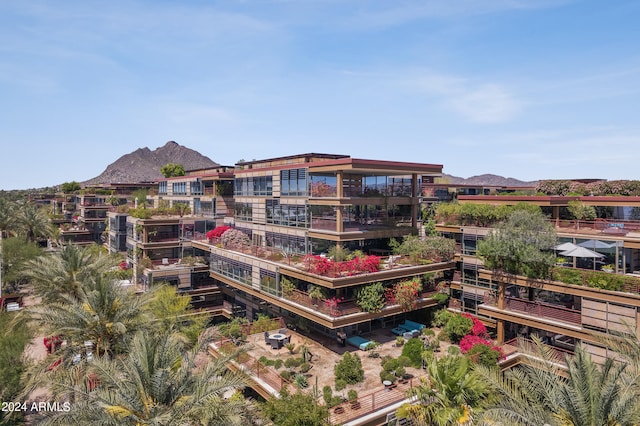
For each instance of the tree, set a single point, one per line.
(173, 312)
(370, 298)
(33, 222)
(536, 393)
(157, 382)
(172, 170)
(451, 395)
(522, 245)
(580, 211)
(68, 187)
(66, 271)
(298, 409)
(106, 315)
(13, 341)
(349, 369)
(16, 253)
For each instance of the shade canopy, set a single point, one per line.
(581, 252)
(565, 246)
(596, 244)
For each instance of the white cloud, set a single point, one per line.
(488, 103)
(478, 103)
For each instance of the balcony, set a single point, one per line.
(540, 310)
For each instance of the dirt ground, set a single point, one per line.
(327, 352)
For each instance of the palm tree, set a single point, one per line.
(66, 271)
(536, 393)
(105, 314)
(156, 383)
(451, 395)
(33, 222)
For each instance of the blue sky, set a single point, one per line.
(530, 89)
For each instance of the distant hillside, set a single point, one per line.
(489, 180)
(143, 165)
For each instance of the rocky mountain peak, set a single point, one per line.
(143, 164)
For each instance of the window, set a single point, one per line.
(293, 182)
(253, 186)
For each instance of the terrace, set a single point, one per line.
(261, 359)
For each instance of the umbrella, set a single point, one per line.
(565, 247)
(596, 244)
(581, 252)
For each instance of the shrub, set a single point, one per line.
(453, 350)
(349, 369)
(301, 381)
(386, 376)
(371, 298)
(352, 395)
(327, 394)
(478, 328)
(290, 362)
(391, 365)
(457, 327)
(483, 354)
(399, 341)
(441, 318)
(400, 371)
(413, 350)
(340, 384)
(404, 361)
(217, 232)
(428, 332)
(440, 298)
(286, 374)
(277, 364)
(305, 367)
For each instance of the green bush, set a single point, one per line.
(301, 381)
(399, 341)
(386, 376)
(327, 394)
(340, 384)
(441, 318)
(400, 371)
(349, 369)
(453, 350)
(305, 367)
(457, 327)
(391, 365)
(286, 374)
(428, 332)
(404, 361)
(352, 395)
(277, 364)
(413, 350)
(484, 355)
(441, 298)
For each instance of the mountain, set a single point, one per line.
(143, 165)
(489, 180)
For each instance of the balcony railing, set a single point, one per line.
(372, 402)
(528, 346)
(540, 309)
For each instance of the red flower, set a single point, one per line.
(217, 232)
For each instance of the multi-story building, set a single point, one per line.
(589, 295)
(291, 207)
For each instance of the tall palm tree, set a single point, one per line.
(537, 393)
(156, 383)
(66, 271)
(106, 315)
(451, 395)
(33, 222)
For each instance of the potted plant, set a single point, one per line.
(608, 268)
(352, 396)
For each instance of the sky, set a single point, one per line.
(528, 89)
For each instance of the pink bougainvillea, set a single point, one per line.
(478, 328)
(358, 265)
(332, 303)
(217, 232)
(470, 341)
